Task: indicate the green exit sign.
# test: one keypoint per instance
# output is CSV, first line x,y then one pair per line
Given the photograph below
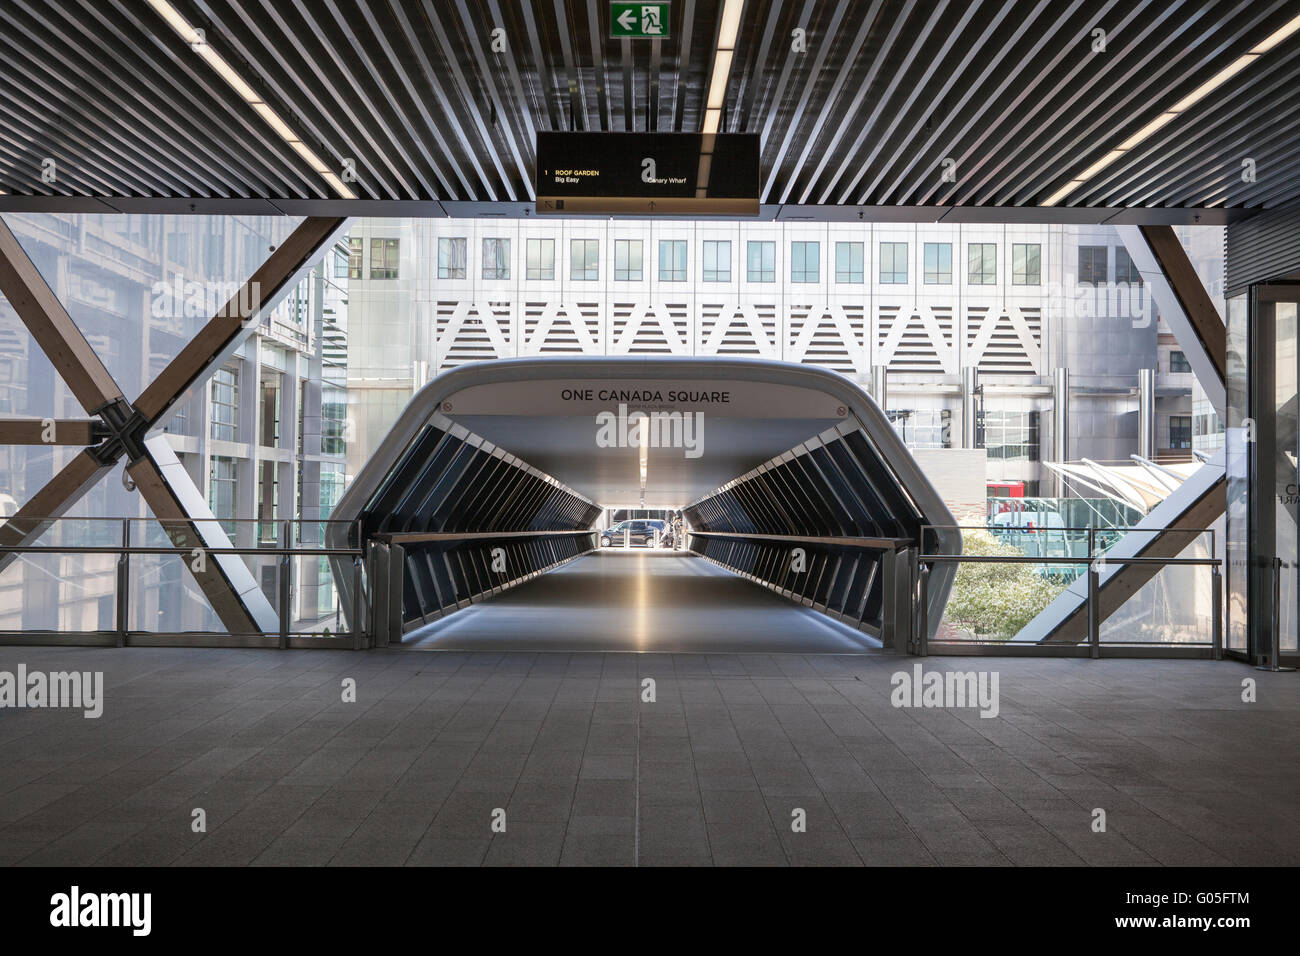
x,y
638,21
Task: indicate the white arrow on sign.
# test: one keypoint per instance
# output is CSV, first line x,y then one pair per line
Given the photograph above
x,y
628,20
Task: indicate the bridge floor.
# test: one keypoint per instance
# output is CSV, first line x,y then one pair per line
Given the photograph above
x,y
641,600
710,773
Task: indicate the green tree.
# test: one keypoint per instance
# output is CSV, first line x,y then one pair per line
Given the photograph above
x,y
995,600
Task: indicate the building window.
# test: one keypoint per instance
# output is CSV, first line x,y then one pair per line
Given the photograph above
x,y
225,405
1180,431
269,411
717,260
342,262
627,260
383,258
333,420
222,491
179,423
1092,264
1128,277
331,487
496,258
938,264
1125,270
848,262
584,260
356,251
541,259
672,260
1011,436
981,263
453,258
893,263
761,261
177,248
1178,362
805,262
923,427
1026,263
1206,425
268,502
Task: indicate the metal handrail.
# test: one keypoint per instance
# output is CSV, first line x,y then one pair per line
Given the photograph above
x,y
1125,529
1093,553
417,537
165,521
281,554
1040,559
1094,561
269,551
883,544
271,547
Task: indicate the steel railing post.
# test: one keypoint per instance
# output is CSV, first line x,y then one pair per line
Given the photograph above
x,y
889,600
124,585
1216,606
359,631
1094,612
923,608
286,594
1275,651
1094,586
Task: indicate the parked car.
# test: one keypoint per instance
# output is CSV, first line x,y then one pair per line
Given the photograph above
x,y
640,531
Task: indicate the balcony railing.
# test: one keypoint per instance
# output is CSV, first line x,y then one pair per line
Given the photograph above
x,y
124,581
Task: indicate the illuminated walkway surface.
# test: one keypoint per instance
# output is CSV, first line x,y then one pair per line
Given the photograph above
x,y
708,774
640,599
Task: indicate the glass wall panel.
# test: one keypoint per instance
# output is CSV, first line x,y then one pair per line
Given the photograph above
x,y
1238,477
1263,481
1279,316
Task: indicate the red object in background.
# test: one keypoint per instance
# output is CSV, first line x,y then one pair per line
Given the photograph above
x,y
1006,489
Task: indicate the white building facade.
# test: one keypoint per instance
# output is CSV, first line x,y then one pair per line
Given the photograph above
x,y
925,301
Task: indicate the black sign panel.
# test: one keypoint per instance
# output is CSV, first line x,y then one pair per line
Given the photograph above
x,y
642,174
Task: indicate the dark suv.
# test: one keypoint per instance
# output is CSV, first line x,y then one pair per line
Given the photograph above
x,y
640,531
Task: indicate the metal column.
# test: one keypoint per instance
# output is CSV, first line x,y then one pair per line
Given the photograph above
x,y
1061,423
898,591
880,385
969,431
1147,413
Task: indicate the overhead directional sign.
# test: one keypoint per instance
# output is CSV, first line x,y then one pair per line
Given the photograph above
x,y
648,174
638,21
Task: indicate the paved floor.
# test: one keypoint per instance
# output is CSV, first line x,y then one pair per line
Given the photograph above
x,y
713,772
641,600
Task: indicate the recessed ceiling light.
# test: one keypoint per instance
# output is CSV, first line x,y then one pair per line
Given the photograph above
x,y
1186,103
717,89
237,83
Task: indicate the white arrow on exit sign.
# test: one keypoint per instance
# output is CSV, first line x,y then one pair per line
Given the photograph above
x,y
628,20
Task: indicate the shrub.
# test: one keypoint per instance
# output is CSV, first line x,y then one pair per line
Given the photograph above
x,y
995,600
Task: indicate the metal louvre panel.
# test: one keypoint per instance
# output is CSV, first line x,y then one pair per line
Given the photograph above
x,y
726,329
858,102
471,332
443,483
1262,248
996,344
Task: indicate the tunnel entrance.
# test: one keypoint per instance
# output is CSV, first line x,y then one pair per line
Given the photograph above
x,y
644,601
501,477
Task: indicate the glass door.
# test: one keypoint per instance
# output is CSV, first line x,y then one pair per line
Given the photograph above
x,y
1274,468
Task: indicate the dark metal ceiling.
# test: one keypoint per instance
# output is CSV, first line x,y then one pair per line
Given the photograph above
x,y
436,122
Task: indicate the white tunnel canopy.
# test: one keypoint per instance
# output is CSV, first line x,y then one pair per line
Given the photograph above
x,y
743,445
